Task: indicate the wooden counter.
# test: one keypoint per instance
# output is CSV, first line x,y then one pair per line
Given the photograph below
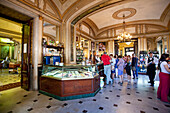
x,y
69,89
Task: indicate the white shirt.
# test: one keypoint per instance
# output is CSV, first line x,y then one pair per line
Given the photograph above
x,y
98,59
113,61
163,68
155,60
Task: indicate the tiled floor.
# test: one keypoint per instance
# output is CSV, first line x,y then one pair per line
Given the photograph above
x,y
7,78
137,97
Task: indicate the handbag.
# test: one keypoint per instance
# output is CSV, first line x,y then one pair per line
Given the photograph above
x,y
133,68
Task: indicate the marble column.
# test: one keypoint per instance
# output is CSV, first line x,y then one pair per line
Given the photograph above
x,y
37,50
145,44
139,45
57,33
89,49
113,43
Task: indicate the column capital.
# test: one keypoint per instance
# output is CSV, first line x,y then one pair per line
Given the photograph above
x,y
40,17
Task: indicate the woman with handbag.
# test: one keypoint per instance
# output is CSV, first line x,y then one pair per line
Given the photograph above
x,y
164,76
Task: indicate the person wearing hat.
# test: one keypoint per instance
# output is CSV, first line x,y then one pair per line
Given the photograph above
x,y
107,67
151,68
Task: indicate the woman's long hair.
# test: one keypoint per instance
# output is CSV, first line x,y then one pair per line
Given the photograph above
x,y
163,58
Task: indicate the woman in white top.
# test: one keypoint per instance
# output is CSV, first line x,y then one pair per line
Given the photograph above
x,y
164,77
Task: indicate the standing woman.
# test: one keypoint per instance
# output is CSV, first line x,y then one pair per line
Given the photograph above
x,y
116,67
120,69
164,76
112,61
128,68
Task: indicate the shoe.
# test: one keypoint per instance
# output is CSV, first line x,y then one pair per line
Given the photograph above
x,y
149,82
158,98
133,78
152,85
136,77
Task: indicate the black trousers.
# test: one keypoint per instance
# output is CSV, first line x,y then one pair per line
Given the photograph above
x,y
151,72
152,77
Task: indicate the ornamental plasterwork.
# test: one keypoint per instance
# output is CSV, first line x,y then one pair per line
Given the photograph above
x,y
62,1
129,12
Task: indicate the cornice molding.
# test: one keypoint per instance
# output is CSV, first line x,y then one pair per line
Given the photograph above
x,y
49,35
39,11
9,31
10,36
165,12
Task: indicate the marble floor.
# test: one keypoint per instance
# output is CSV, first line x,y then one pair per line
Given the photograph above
x,y
136,97
8,78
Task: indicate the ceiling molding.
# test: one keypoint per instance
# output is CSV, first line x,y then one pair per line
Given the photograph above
x,y
11,32
10,36
92,24
34,9
90,28
62,1
69,8
132,23
53,7
131,10
49,35
165,12
95,9
58,11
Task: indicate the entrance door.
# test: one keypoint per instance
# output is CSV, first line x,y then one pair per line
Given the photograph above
x,y
25,60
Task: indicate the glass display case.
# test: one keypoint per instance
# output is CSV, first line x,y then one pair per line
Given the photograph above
x,y
68,72
69,81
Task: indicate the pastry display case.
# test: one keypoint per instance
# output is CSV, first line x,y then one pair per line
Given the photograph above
x,y
69,81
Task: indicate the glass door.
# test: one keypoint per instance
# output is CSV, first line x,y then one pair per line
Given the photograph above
x,y
25,60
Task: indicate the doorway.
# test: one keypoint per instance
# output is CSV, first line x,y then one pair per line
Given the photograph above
x,y
15,49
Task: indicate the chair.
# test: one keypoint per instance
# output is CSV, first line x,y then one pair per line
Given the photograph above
x,y
1,66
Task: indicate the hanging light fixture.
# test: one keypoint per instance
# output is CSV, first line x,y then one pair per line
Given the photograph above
x,y
124,36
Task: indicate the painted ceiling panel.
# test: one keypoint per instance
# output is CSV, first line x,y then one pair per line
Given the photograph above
x,y
63,5
154,9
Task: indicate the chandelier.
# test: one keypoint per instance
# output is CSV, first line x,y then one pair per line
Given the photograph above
x,y
124,36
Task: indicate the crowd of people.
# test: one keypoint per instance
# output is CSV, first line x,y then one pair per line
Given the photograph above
x,y
116,66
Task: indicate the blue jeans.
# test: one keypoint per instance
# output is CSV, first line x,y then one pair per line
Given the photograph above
x,y
135,72
107,72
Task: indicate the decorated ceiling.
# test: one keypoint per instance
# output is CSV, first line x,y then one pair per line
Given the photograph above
x,y
103,15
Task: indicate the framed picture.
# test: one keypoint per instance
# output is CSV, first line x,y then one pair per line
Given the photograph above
x,y
102,46
85,44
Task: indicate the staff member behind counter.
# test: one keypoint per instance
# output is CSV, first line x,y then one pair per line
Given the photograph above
x,y
97,58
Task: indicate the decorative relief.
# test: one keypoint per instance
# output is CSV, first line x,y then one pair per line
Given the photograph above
x,y
32,2
102,35
128,12
41,4
129,30
154,29
49,9
62,1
